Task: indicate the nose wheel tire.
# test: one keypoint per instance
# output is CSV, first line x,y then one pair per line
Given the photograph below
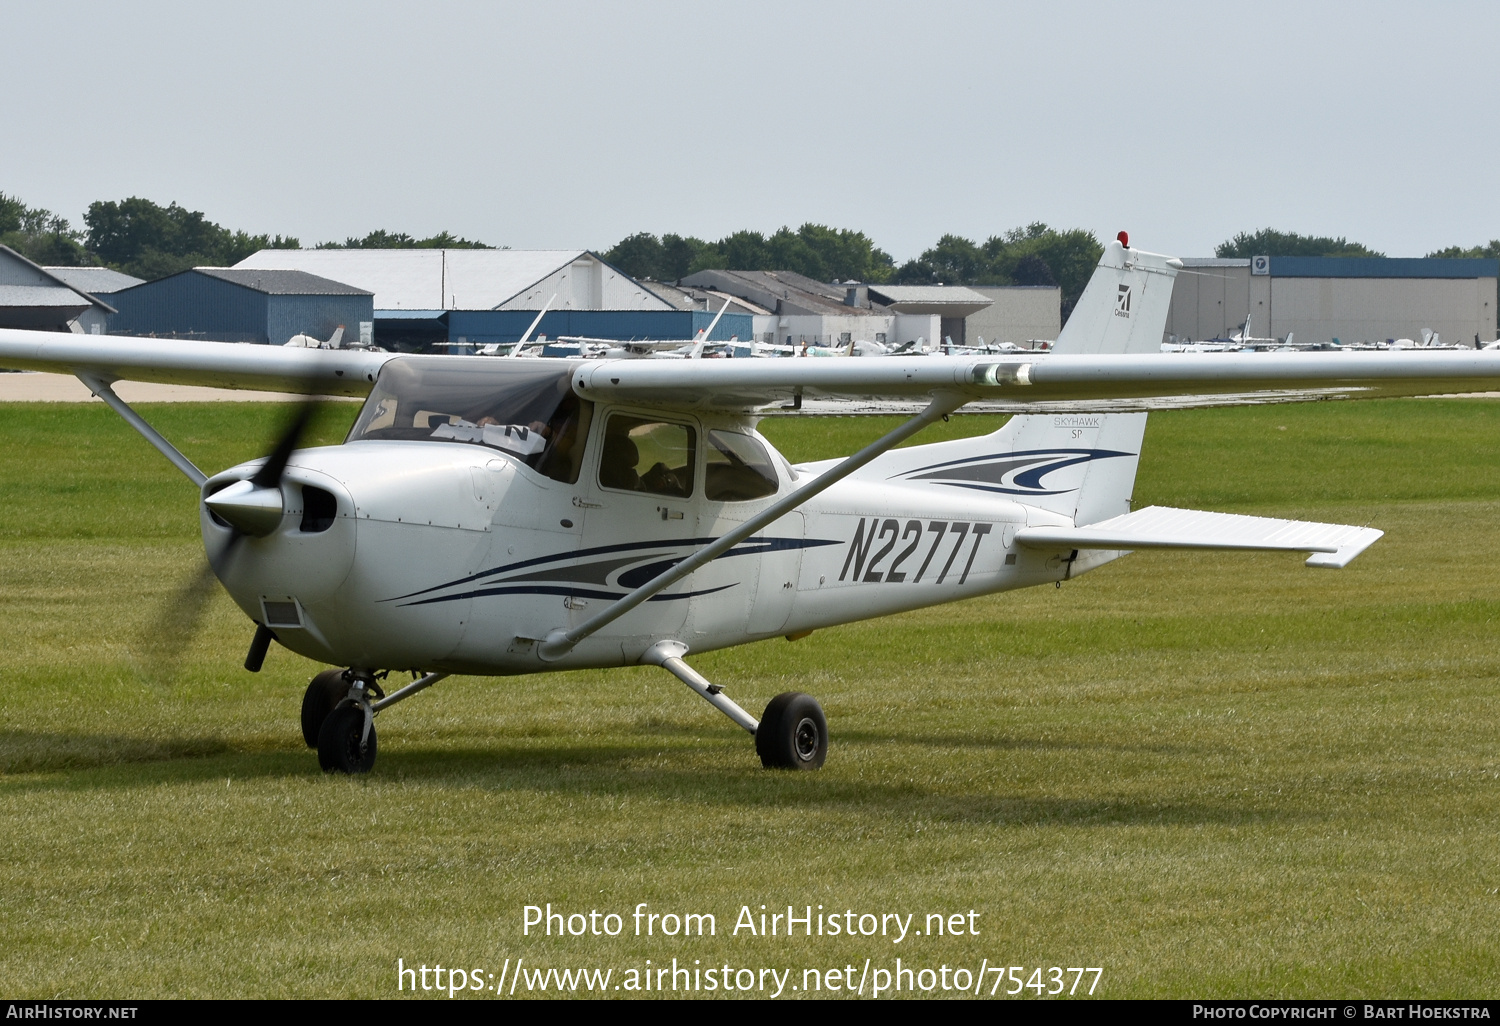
x,y
324,693
339,741
793,733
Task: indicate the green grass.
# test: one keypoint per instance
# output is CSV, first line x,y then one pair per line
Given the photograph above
x,y
1210,774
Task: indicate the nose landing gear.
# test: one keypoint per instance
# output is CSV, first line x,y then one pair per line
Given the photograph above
x,y
338,716
324,693
346,743
345,733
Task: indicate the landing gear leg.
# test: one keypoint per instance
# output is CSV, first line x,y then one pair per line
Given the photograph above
x,y
793,733
668,655
346,740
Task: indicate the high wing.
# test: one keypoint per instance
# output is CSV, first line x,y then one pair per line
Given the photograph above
x,y
1106,359
1041,381
111,358
1114,382
1104,382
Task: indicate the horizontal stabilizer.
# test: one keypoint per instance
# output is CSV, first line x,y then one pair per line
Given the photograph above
x,y
1162,527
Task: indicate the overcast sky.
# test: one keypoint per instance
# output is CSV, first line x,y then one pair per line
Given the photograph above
x,y
560,125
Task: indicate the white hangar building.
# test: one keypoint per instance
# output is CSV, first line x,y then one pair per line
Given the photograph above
x,y
99,282
433,296
470,279
1319,299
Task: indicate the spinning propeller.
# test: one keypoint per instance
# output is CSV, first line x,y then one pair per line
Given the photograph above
x,y
252,508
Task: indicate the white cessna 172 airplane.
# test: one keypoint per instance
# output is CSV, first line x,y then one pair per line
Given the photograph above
x,y
504,517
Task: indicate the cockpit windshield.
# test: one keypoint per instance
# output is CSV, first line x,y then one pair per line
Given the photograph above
x,y
523,408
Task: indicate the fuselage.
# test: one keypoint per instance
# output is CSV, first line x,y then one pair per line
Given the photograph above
x,y
450,554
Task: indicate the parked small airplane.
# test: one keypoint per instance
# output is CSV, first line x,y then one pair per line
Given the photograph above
x,y
504,516
305,341
584,346
334,341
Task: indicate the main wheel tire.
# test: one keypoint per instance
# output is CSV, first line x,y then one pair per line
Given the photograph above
x,y
793,733
324,693
339,749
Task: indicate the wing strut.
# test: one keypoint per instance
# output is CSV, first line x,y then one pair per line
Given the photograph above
x,y
545,306
559,642
101,388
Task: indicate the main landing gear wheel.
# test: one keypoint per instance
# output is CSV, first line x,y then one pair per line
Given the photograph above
x,y
324,693
343,745
793,733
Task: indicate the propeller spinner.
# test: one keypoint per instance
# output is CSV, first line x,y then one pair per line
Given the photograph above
x,y
254,507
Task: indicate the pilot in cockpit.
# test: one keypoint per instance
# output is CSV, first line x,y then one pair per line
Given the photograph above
x,y
522,440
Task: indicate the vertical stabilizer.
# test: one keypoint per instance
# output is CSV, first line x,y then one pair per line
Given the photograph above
x,y
1083,465
1124,308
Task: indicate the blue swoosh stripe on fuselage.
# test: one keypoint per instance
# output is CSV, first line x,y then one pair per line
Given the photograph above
x,y
1091,453
752,547
996,488
538,560
568,592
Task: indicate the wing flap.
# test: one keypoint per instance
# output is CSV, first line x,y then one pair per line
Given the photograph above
x,y
1163,527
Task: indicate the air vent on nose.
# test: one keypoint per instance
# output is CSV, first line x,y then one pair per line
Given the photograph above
x,y
281,612
319,509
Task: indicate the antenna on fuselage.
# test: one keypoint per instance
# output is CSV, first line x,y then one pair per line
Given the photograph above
x,y
516,351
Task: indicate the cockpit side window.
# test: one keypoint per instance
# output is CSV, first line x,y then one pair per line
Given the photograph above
x,y
737,468
642,455
568,430
527,412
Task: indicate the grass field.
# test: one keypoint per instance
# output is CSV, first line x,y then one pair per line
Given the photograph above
x,y
1209,775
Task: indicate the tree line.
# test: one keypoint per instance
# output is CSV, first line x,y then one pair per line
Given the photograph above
x,y
1270,242
148,240
1034,255
144,238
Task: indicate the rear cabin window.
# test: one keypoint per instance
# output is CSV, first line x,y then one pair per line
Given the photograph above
x,y
643,455
525,409
737,468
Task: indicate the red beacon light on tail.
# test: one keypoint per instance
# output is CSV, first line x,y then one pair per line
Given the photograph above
x,y
1124,238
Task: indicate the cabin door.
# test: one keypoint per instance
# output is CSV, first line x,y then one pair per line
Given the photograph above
x,y
641,516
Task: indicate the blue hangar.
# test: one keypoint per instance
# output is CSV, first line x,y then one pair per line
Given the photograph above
x,y
243,305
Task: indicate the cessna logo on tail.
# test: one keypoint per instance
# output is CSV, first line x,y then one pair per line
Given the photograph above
x,y
1122,302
